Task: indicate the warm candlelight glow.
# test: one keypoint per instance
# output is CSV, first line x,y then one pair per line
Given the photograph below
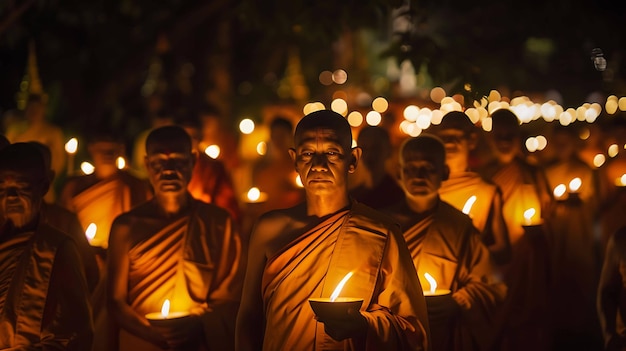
x,y
339,287
621,181
432,282
71,146
528,215
90,232
468,205
246,126
87,168
261,148
165,309
299,181
254,194
575,184
213,151
559,190
120,162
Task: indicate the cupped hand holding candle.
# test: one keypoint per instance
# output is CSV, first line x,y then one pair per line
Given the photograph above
x,y
180,328
340,315
439,302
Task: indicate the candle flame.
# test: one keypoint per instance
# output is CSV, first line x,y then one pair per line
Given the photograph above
x,y
165,309
254,194
213,151
120,162
299,181
90,232
621,181
339,287
71,146
468,204
575,184
431,281
559,190
87,168
261,148
529,213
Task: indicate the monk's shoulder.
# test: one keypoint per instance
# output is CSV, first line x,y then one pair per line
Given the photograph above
x,y
373,219
211,211
276,223
134,216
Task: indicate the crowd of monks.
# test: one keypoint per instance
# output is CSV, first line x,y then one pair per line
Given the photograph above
x,y
447,249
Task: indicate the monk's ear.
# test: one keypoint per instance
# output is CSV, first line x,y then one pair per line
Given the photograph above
x,y
292,154
354,161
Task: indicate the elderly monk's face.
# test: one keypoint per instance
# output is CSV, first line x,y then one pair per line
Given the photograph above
x,y
20,196
421,173
322,161
169,166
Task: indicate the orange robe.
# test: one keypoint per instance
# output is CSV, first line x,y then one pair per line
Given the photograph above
x,y
44,302
447,246
359,240
195,263
103,201
212,184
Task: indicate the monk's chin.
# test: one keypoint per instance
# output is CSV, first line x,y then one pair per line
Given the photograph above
x,y
170,188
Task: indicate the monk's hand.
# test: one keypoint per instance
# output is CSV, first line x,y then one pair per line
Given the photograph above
x,y
351,325
442,308
184,332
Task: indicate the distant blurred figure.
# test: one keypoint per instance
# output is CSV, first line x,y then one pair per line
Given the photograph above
x,y
382,190
467,191
101,196
209,180
37,128
275,173
215,133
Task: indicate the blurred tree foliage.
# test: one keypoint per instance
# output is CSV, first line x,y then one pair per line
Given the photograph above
x,y
97,54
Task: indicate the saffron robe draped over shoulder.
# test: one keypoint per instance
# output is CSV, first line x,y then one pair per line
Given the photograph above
x,y
447,246
365,242
460,187
195,263
44,302
103,201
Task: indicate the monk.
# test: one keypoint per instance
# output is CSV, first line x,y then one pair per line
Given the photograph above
x,y
444,243
611,306
44,303
304,251
174,248
382,189
209,180
101,196
459,136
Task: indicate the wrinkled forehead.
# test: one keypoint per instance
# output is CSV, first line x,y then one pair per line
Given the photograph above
x,y
316,135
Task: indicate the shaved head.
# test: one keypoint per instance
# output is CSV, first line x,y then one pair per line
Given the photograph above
x,y
325,119
424,144
168,135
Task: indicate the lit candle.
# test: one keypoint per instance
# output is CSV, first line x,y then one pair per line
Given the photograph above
x,y
120,162
621,181
254,195
162,317
468,205
90,233
335,306
574,185
433,287
559,191
528,215
71,147
213,151
87,168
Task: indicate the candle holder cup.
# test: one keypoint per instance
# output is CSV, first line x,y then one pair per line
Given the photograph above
x,y
326,309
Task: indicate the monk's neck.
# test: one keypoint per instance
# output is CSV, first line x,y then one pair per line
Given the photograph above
x,y
457,166
321,206
105,172
172,204
422,204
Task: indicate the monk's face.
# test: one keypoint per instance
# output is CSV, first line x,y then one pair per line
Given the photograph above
x,y
505,142
421,173
20,196
323,162
457,143
105,153
169,166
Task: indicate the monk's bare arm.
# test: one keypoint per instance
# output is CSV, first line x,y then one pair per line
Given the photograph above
x,y
501,248
250,319
117,283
